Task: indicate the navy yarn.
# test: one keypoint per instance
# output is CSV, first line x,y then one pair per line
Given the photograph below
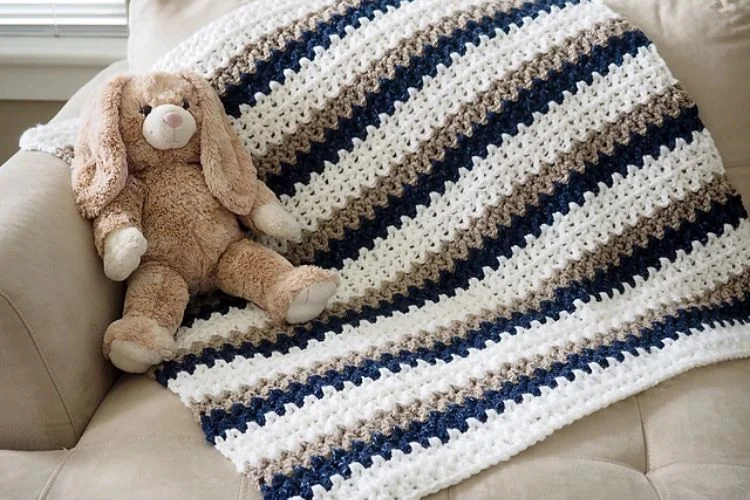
x,y
217,421
559,201
438,423
410,76
288,57
535,99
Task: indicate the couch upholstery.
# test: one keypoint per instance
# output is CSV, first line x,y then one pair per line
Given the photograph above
x,y
686,438
54,303
40,349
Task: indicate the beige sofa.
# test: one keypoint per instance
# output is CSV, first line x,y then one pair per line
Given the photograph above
x,y
71,427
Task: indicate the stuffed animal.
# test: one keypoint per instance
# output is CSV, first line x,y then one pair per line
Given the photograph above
x,y
169,187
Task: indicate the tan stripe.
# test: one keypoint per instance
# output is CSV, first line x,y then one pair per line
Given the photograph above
x,y
386,421
364,83
260,50
604,256
523,195
461,123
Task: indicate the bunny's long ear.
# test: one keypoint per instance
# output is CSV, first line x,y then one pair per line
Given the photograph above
x,y
227,166
99,164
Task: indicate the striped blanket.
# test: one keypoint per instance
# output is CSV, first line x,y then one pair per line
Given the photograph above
x,y
530,221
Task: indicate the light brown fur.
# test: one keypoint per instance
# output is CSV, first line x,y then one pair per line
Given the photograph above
x,y
190,204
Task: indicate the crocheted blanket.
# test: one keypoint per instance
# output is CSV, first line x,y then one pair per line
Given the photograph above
x,y
530,220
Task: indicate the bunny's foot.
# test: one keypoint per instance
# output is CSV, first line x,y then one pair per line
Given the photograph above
x,y
135,343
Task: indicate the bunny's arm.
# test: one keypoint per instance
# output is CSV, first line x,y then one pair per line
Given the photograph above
x,y
118,233
124,211
269,217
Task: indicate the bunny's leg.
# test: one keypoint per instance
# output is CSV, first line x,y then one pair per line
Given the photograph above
x,y
256,273
154,304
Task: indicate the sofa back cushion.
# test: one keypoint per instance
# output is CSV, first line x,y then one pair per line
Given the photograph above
x,y
156,26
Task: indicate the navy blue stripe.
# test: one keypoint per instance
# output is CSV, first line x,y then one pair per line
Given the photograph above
x,y
280,60
217,422
397,90
456,415
594,174
535,99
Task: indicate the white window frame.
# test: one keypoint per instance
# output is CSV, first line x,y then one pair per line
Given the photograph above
x,y
45,67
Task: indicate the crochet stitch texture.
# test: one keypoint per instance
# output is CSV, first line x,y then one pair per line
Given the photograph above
x,y
529,218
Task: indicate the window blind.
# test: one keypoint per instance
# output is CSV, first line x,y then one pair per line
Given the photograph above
x,y
64,18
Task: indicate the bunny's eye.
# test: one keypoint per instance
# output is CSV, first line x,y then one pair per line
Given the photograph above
x,y
145,110
185,104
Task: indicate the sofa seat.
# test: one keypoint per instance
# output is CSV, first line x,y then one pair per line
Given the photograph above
x,y
687,438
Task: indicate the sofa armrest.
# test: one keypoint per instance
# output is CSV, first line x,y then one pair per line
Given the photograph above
x,y
55,304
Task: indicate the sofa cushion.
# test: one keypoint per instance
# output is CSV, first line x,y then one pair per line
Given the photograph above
x,y
54,301
158,25
143,443
26,474
701,481
688,437
703,416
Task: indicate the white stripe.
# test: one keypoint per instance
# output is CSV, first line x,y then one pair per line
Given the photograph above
x,y
675,283
290,103
440,97
493,178
237,319
217,43
583,228
424,471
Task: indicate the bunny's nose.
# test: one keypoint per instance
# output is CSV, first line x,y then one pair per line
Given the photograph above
x,y
173,120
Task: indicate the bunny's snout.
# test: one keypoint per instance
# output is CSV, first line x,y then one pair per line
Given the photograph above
x,y
168,127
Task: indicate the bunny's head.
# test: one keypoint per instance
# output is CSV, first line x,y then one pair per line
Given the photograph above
x,y
138,122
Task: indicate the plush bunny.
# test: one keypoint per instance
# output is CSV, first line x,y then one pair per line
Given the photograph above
x,y
169,186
